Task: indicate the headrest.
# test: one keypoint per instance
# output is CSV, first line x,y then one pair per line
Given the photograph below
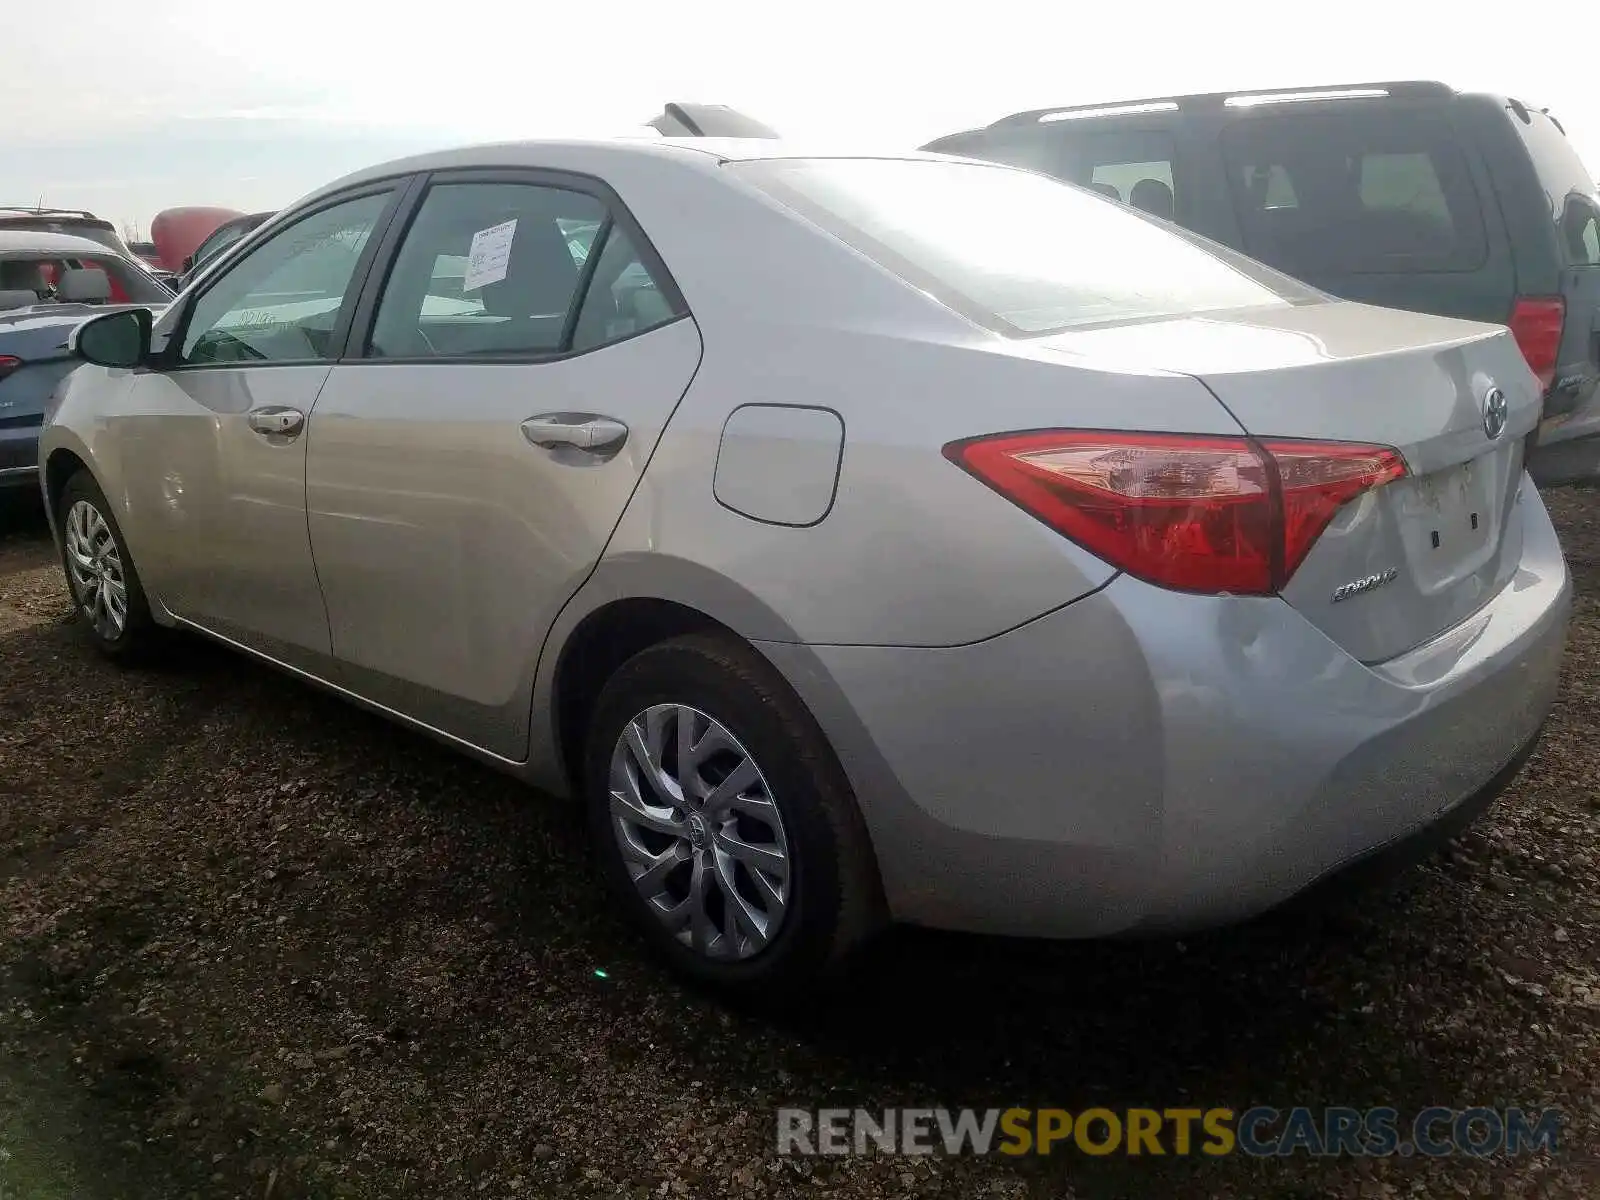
x,y
1154,197
83,285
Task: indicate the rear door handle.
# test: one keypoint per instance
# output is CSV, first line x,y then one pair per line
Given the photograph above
x,y
582,431
277,420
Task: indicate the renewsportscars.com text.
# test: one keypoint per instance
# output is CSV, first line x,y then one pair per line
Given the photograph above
x,y
1259,1131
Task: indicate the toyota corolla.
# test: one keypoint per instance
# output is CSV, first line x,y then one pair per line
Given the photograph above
x,y
862,539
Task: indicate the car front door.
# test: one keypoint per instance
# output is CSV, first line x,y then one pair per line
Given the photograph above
x,y
214,436
471,456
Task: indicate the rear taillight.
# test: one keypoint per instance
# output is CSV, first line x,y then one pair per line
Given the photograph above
x,y
1194,513
8,364
1536,323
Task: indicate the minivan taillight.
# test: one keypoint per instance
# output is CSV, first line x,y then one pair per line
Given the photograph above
x,y
1192,513
1536,323
8,364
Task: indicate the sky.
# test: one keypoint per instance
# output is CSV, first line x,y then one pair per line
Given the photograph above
x,y
126,109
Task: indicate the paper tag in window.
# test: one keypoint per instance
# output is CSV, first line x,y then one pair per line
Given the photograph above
x,y
491,251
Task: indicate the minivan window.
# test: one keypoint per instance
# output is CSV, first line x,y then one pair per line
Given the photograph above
x,y
1371,192
1580,232
1133,166
1589,240
1013,251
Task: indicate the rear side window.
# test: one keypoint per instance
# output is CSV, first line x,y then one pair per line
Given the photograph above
x,y
1014,251
1374,191
623,297
490,269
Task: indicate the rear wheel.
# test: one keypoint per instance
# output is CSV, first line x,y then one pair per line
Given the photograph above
x,y
100,572
722,821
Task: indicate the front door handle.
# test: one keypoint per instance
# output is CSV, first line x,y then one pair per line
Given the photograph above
x,y
581,431
277,420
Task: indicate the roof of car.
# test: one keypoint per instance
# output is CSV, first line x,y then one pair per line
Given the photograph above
x,y
594,153
1401,90
38,241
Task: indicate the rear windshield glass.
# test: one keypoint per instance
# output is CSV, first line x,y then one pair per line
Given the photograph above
x,y
1370,191
126,283
1016,252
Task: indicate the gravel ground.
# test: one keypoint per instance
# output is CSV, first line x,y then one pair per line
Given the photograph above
x,y
258,944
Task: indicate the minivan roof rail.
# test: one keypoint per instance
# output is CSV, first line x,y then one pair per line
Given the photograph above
x,y
1418,89
708,120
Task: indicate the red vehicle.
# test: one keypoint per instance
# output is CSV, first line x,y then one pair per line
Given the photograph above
x,y
178,232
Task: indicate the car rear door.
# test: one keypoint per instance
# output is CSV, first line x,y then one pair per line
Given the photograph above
x,y
506,381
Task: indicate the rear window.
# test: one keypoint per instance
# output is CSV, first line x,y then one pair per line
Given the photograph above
x,y
40,273
1374,191
1013,251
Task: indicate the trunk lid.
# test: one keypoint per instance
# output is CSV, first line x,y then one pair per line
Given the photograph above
x,y
1409,560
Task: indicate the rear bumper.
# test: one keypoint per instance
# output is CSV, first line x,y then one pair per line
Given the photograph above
x,y
19,457
1146,760
1568,449
1385,861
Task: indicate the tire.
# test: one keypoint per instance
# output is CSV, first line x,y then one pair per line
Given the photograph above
x,y
830,895
90,535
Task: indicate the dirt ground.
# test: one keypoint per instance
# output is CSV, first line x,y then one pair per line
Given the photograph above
x,y
254,943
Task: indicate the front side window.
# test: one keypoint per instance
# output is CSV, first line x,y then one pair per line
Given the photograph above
x,y
281,301
1374,191
1014,251
492,269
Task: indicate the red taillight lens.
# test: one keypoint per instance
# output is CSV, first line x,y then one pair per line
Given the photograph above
x,y
1536,323
1194,513
8,364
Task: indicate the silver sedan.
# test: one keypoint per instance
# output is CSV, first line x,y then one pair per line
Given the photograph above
x,y
862,539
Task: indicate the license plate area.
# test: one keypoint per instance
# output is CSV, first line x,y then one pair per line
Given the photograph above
x,y
1450,519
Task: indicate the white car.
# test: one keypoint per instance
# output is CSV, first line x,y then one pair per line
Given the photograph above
x,y
852,562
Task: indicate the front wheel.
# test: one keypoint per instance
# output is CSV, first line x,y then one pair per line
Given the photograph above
x,y
100,574
722,821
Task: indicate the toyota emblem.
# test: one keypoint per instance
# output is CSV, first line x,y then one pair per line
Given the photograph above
x,y
1496,410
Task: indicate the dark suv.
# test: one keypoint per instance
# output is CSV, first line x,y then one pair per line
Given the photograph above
x,y
1409,195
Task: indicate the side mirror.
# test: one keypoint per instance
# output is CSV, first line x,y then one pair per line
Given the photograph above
x,y
187,264
118,339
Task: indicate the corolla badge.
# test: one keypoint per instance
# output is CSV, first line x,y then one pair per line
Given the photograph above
x,y
1496,410
1357,586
